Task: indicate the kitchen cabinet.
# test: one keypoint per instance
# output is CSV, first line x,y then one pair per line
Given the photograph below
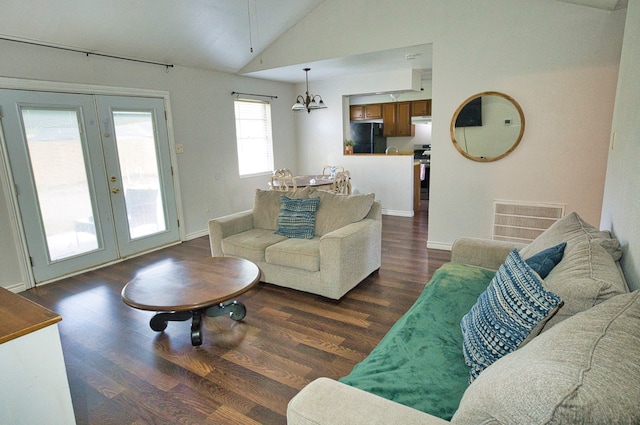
x,y
372,112
365,112
403,125
421,108
396,120
396,116
356,112
389,119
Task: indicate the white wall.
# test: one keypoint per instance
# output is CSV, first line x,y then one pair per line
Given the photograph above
x,y
558,60
13,272
621,206
203,121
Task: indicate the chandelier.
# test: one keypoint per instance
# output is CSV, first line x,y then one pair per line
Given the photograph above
x,y
308,102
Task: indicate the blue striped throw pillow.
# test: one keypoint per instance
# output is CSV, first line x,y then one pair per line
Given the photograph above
x,y
513,305
297,217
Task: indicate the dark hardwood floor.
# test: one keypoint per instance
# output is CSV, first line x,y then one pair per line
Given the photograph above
x,y
121,372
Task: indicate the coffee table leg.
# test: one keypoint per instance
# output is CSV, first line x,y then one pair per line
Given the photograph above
x,y
159,323
236,310
196,325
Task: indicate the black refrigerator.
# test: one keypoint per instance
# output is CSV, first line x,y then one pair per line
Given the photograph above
x,y
368,137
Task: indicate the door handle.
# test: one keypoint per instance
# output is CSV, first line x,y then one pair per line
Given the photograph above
x,y
115,190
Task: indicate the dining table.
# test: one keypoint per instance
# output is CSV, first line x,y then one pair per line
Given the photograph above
x,y
317,181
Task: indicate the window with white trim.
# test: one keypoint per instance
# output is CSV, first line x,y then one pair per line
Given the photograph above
x,y
253,137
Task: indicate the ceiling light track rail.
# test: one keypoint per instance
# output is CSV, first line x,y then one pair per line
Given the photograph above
x,y
238,94
104,55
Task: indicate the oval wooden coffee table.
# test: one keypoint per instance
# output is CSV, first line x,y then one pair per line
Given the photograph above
x,y
186,290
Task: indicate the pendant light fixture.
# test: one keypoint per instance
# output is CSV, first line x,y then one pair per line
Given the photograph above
x,y
308,102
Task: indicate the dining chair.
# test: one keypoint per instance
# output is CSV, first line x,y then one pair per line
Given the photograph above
x,y
283,183
326,171
282,172
342,183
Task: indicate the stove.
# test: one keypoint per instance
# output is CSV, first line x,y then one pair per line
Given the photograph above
x,y
422,153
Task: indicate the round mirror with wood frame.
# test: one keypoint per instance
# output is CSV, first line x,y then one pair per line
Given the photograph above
x,y
487,126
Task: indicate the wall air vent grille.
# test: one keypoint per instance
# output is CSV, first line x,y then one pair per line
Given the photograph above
x,y
523,222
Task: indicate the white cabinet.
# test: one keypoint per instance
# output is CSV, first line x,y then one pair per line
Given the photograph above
x,y
34,387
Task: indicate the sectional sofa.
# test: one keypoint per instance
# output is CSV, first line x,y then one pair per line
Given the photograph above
x,y
457,354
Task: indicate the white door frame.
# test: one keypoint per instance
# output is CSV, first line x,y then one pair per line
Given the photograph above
x,y
12,199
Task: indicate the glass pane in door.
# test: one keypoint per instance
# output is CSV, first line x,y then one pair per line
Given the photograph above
x,y
138,160
60,175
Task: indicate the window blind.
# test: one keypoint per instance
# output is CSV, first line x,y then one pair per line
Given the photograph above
x,y
253,136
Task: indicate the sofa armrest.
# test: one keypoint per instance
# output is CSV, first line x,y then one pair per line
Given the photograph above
x,y
221,227
350,253
485,253
325,401
375,213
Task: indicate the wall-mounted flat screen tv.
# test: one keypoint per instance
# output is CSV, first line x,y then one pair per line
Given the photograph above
x,y
471,114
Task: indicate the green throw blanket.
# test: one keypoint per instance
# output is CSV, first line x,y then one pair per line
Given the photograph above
x,y
419,363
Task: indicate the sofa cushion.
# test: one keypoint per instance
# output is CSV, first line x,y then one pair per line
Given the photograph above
x,y
584,370
586,276
337,210
266,206
297,217
544,261
514,304
297,253
572,229
250,244
419,362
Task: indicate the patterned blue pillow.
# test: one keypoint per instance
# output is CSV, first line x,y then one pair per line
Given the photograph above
x,y
513,305
297,217
544,261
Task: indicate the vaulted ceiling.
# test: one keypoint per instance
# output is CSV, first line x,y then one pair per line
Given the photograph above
x,y
208,34
601,4
220,35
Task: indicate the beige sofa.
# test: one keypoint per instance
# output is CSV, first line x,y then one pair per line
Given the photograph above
x,y
345,249
581,368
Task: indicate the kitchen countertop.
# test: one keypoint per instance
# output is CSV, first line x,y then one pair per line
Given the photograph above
x,y
21,316
383,154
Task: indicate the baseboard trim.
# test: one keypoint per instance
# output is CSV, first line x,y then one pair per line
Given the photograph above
x,y
398,213
196,235
439,245
17,288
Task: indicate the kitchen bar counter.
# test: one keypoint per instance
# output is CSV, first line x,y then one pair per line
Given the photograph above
x,y
34,389
21,316
382,154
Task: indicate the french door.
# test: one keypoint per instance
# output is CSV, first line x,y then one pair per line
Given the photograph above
x,y
93,177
